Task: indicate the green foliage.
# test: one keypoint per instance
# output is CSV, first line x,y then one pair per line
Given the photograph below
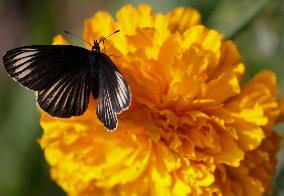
x,y
231,17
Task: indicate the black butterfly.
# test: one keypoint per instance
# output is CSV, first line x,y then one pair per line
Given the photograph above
x,y
64,76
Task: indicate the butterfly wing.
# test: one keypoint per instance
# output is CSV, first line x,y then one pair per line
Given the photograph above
x,y
69,96
59,73
114,93
105,111
39,66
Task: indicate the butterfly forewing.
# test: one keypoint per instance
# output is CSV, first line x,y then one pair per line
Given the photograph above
x,y
116,85
114,93
59,73
39,66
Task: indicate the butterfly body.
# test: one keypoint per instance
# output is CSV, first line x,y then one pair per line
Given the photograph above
x,y
95,59
64,76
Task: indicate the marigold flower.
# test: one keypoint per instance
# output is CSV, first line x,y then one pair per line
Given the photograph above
x,y
191,128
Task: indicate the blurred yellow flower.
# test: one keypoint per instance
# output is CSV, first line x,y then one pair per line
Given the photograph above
x,y
191,128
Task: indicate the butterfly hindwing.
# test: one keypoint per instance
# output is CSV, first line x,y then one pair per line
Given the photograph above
x,y
39,66
69,96
114,93
105,111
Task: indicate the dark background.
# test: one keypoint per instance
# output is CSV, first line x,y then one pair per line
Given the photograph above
x,y
256,26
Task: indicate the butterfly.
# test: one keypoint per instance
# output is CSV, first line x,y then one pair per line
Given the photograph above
x,y
64,77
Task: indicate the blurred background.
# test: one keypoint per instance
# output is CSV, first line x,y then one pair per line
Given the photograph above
x,y
256,26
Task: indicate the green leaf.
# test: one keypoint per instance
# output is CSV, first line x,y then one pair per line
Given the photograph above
x,y
205,7
230,17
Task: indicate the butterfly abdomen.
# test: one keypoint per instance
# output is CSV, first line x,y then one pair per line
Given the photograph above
x,y
95,85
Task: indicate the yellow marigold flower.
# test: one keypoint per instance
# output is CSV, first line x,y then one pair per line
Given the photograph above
x,y
191,128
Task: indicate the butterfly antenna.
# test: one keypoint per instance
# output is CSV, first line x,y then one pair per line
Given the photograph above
x,y
102,39
67,32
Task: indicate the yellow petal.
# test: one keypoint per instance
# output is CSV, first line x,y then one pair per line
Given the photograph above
x,y
222,88
100,25
231,153
208,39
183,18
123,16
59,40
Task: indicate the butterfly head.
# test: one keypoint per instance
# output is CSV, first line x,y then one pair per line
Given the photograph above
x,y
96,47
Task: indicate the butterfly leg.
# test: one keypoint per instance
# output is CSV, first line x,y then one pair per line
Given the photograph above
x,y
103,41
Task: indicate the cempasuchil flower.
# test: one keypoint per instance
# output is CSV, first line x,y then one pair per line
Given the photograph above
x,y
191,128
